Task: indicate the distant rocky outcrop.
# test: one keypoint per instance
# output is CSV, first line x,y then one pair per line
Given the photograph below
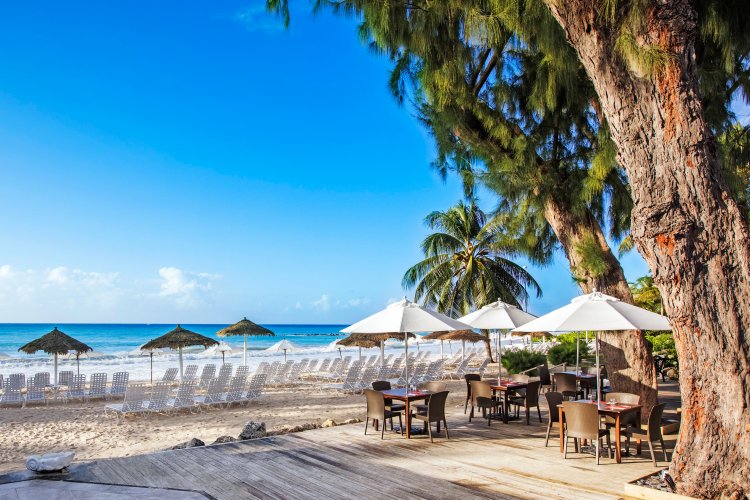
x,y
224,439
253,430
189,444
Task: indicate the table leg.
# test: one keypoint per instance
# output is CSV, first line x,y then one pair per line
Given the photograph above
x,y
507,406
638,440
618,458
407,420
562,433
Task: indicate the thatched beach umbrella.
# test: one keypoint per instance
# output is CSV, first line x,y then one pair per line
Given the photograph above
x,y
360,341
177,339
380,338
56,343
245,327
463,335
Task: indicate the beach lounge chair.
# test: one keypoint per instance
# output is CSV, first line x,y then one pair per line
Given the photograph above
x,y
225,373
312,367
42,379
63,377
185,397
17,381
367,377
263,367
170,375
214,393
207,375
98,386
135,395
256,385
236,392
76,388
119,384
158,399
190,372
242,371
11,395
478,369
35,393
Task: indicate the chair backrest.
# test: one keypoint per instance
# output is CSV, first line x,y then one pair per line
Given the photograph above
x,y
520,377
257,382
225,372
381,385
263,367
623,397
565,382
544,376
34,391
324,365
159,398
435,386
63,378
242,371
134,396
98,385
17,380
312,366
170,375
375,404
77,383
190,372
480,389
436,406
120,382
654,421
41,379
553,400
581,419
208,373
469,377
532,393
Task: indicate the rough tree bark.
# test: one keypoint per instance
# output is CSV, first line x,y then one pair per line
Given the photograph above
x,y
688,228
630,365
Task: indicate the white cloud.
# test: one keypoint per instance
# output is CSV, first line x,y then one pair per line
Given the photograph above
x,y
257,19
186,287
6,271
323,303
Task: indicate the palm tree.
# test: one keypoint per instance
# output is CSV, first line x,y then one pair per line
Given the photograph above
x,y
464,268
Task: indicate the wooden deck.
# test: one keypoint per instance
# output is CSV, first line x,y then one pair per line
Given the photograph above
x,y
501,461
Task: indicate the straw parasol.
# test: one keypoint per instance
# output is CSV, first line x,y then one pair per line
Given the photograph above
x,y
463,335
56,343
177,339
245,327
360,341
380,338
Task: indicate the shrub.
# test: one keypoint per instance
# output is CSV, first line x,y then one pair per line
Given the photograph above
x,y
566,353
519,360
663,344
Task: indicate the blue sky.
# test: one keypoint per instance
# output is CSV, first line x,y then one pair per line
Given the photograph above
x,y
166,163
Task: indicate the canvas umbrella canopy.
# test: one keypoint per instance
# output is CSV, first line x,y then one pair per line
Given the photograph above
x,y
497,316
221,348
55,343
597,312
282,345
177,339
245,327
405,317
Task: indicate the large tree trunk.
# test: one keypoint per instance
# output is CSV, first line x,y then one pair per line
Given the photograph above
x,y
687,227
630,365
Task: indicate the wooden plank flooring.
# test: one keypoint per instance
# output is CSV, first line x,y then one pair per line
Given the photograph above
x,y
501,461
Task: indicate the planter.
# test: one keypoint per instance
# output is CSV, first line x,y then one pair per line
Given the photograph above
x,y
632,489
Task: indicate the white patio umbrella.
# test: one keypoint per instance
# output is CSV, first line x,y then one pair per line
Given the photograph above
x,y
497,316
139,351
405,317
282,345
221,348
596,312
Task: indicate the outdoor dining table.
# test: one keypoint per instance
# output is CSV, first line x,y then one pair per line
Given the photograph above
x,y
616,411
589,378
506,386
407,398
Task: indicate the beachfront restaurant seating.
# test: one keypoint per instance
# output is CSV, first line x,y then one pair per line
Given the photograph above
x,y
554,399
377,412
435,412
582,422
651,434
481,397
527,400
567,385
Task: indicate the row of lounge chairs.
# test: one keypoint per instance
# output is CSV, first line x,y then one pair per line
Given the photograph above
x,y
17,390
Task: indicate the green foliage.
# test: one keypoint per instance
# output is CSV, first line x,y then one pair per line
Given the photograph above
x,y
645,294
569,338
519,360
565,352
593,262
464,266
663,344
734,146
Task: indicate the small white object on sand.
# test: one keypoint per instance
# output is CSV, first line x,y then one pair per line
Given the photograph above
x,y
50,461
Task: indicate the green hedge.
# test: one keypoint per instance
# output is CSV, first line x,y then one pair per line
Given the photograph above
x,y
519,360
566,353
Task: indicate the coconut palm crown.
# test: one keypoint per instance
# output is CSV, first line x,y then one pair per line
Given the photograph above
x,y
465,267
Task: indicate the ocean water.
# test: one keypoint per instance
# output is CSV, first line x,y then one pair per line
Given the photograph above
x,y
114,344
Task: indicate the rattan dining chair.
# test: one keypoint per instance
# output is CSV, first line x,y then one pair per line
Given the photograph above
x,y
622,397
528,400
566,384
481,397
469,377
582,422
651,434
384,385
377,412
434,386
435,413
554,399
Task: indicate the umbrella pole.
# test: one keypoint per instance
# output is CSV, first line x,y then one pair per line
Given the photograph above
x,y
360,353
382,353
284,355
78,363
180,348
578,343
406,365
442,356
598,373
222,357
463,350
244,349
499,354
151,355
55,370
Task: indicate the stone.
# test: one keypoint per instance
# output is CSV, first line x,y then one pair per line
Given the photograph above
x,y
329,423
351,421
224,439
253,430
50,462
189,444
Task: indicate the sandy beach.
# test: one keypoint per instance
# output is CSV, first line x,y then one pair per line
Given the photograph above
x,y
83,427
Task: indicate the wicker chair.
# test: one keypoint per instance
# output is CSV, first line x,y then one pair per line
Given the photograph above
x,y
651,434
376,411
528,400
582,422
469,377
566,385
435,413
481,397
553,400
384,385
544,377
627,398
